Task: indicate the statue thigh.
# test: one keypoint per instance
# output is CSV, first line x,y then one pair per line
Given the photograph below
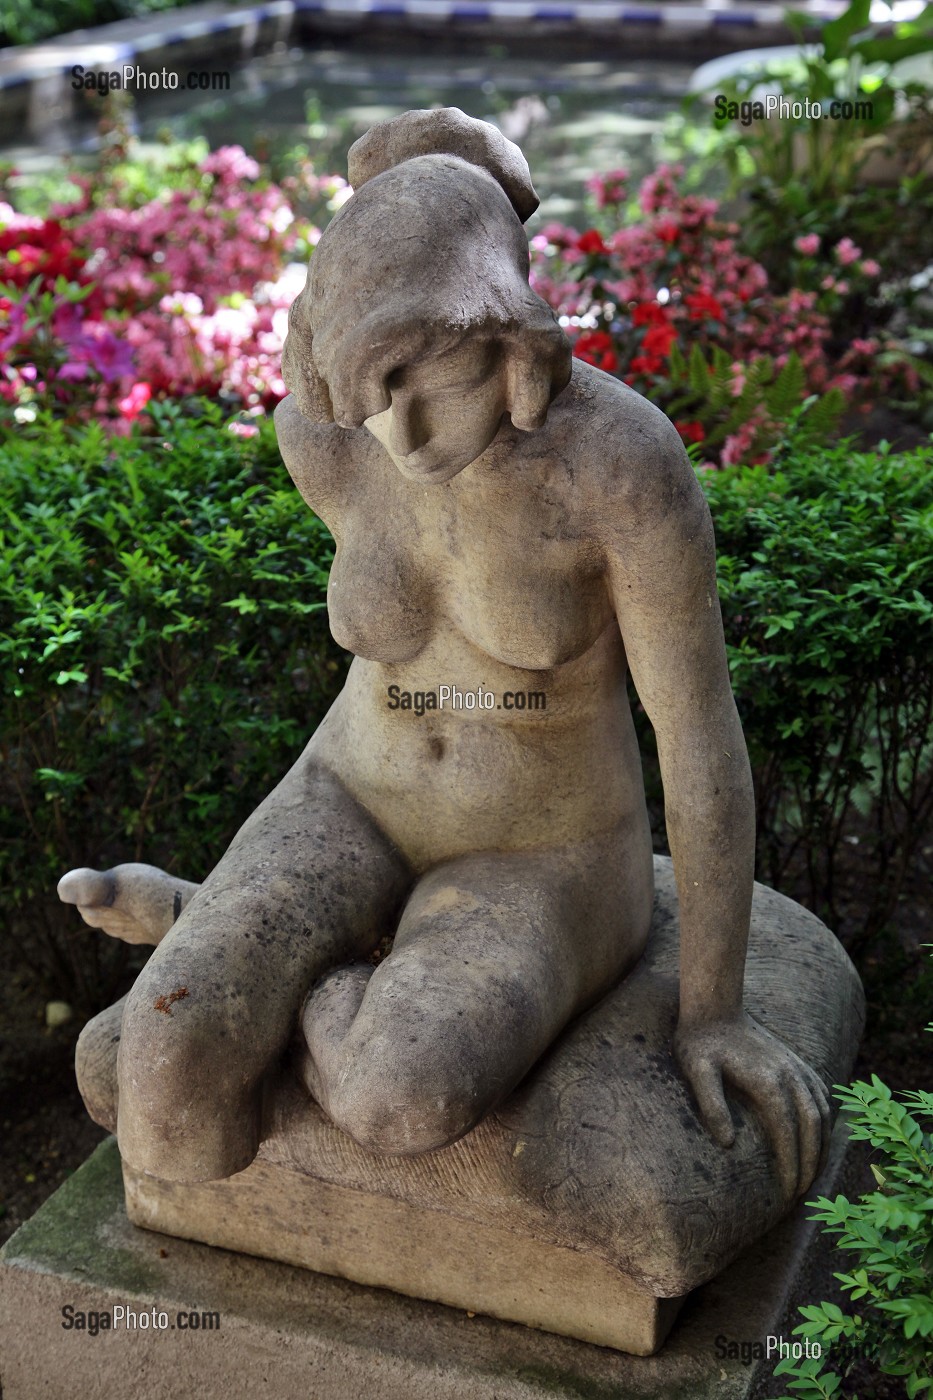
x,y
494,953
308,882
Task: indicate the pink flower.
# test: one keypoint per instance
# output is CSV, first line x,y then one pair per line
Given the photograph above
x,y
231,163
135,401
869,268
808,244
608,188
847,252
243,430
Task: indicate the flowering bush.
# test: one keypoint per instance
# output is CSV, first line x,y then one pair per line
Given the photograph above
x,y
634,294
180,285
106,303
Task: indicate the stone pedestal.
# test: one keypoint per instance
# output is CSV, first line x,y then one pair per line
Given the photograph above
x,y
267,1329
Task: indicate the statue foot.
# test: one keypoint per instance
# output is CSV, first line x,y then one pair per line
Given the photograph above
x,y
135,902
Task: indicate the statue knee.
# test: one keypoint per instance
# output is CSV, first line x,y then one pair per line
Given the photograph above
x,y
186,1111
399,1110
96,1065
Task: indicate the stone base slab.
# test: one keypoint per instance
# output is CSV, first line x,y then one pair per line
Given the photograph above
x,y
277,1213
296,1335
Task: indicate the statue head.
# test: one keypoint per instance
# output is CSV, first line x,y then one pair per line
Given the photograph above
x,y
417,319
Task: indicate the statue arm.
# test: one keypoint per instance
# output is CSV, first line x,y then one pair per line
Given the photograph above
x,y
662,574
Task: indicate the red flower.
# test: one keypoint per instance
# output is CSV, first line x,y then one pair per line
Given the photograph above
x,y
667,230
646,364
659,339
591,242
649,313
41,248
135,401
703,306
692,431
596,348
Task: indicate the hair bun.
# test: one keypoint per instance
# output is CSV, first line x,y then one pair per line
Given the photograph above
x,y
450,132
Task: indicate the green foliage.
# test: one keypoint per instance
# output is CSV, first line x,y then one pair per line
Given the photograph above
x,y
793,177
826,578
890,1234
166,654
29,22
853,62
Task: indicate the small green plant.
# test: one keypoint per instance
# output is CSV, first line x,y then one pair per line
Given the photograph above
x,y
889,1232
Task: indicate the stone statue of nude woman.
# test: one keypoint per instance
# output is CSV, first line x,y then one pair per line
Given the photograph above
x,y
510,519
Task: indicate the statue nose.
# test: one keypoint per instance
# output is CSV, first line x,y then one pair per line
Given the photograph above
x,y
408,428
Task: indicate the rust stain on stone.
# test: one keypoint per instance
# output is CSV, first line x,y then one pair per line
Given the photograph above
x,y
165,1003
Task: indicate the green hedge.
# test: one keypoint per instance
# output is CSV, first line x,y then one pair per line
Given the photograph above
x,y
165,657
826,576
825,566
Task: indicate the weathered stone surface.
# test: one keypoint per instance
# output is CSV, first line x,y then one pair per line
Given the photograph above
x,y
292,1334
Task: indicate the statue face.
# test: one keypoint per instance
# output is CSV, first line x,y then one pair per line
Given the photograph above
x,y
446,409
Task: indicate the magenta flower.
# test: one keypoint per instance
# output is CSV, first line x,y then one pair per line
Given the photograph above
x,y
111,357
16,321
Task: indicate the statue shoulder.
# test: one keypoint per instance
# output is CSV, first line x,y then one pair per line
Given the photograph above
x,y
637,471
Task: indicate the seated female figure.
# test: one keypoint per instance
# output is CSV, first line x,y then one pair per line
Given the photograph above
x,y
508,522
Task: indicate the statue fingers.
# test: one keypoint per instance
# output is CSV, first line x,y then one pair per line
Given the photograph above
x,y
706,1082
778,1109
825,1109
810,1127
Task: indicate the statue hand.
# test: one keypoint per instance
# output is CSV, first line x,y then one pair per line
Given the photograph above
x,y
134,902
788,1096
